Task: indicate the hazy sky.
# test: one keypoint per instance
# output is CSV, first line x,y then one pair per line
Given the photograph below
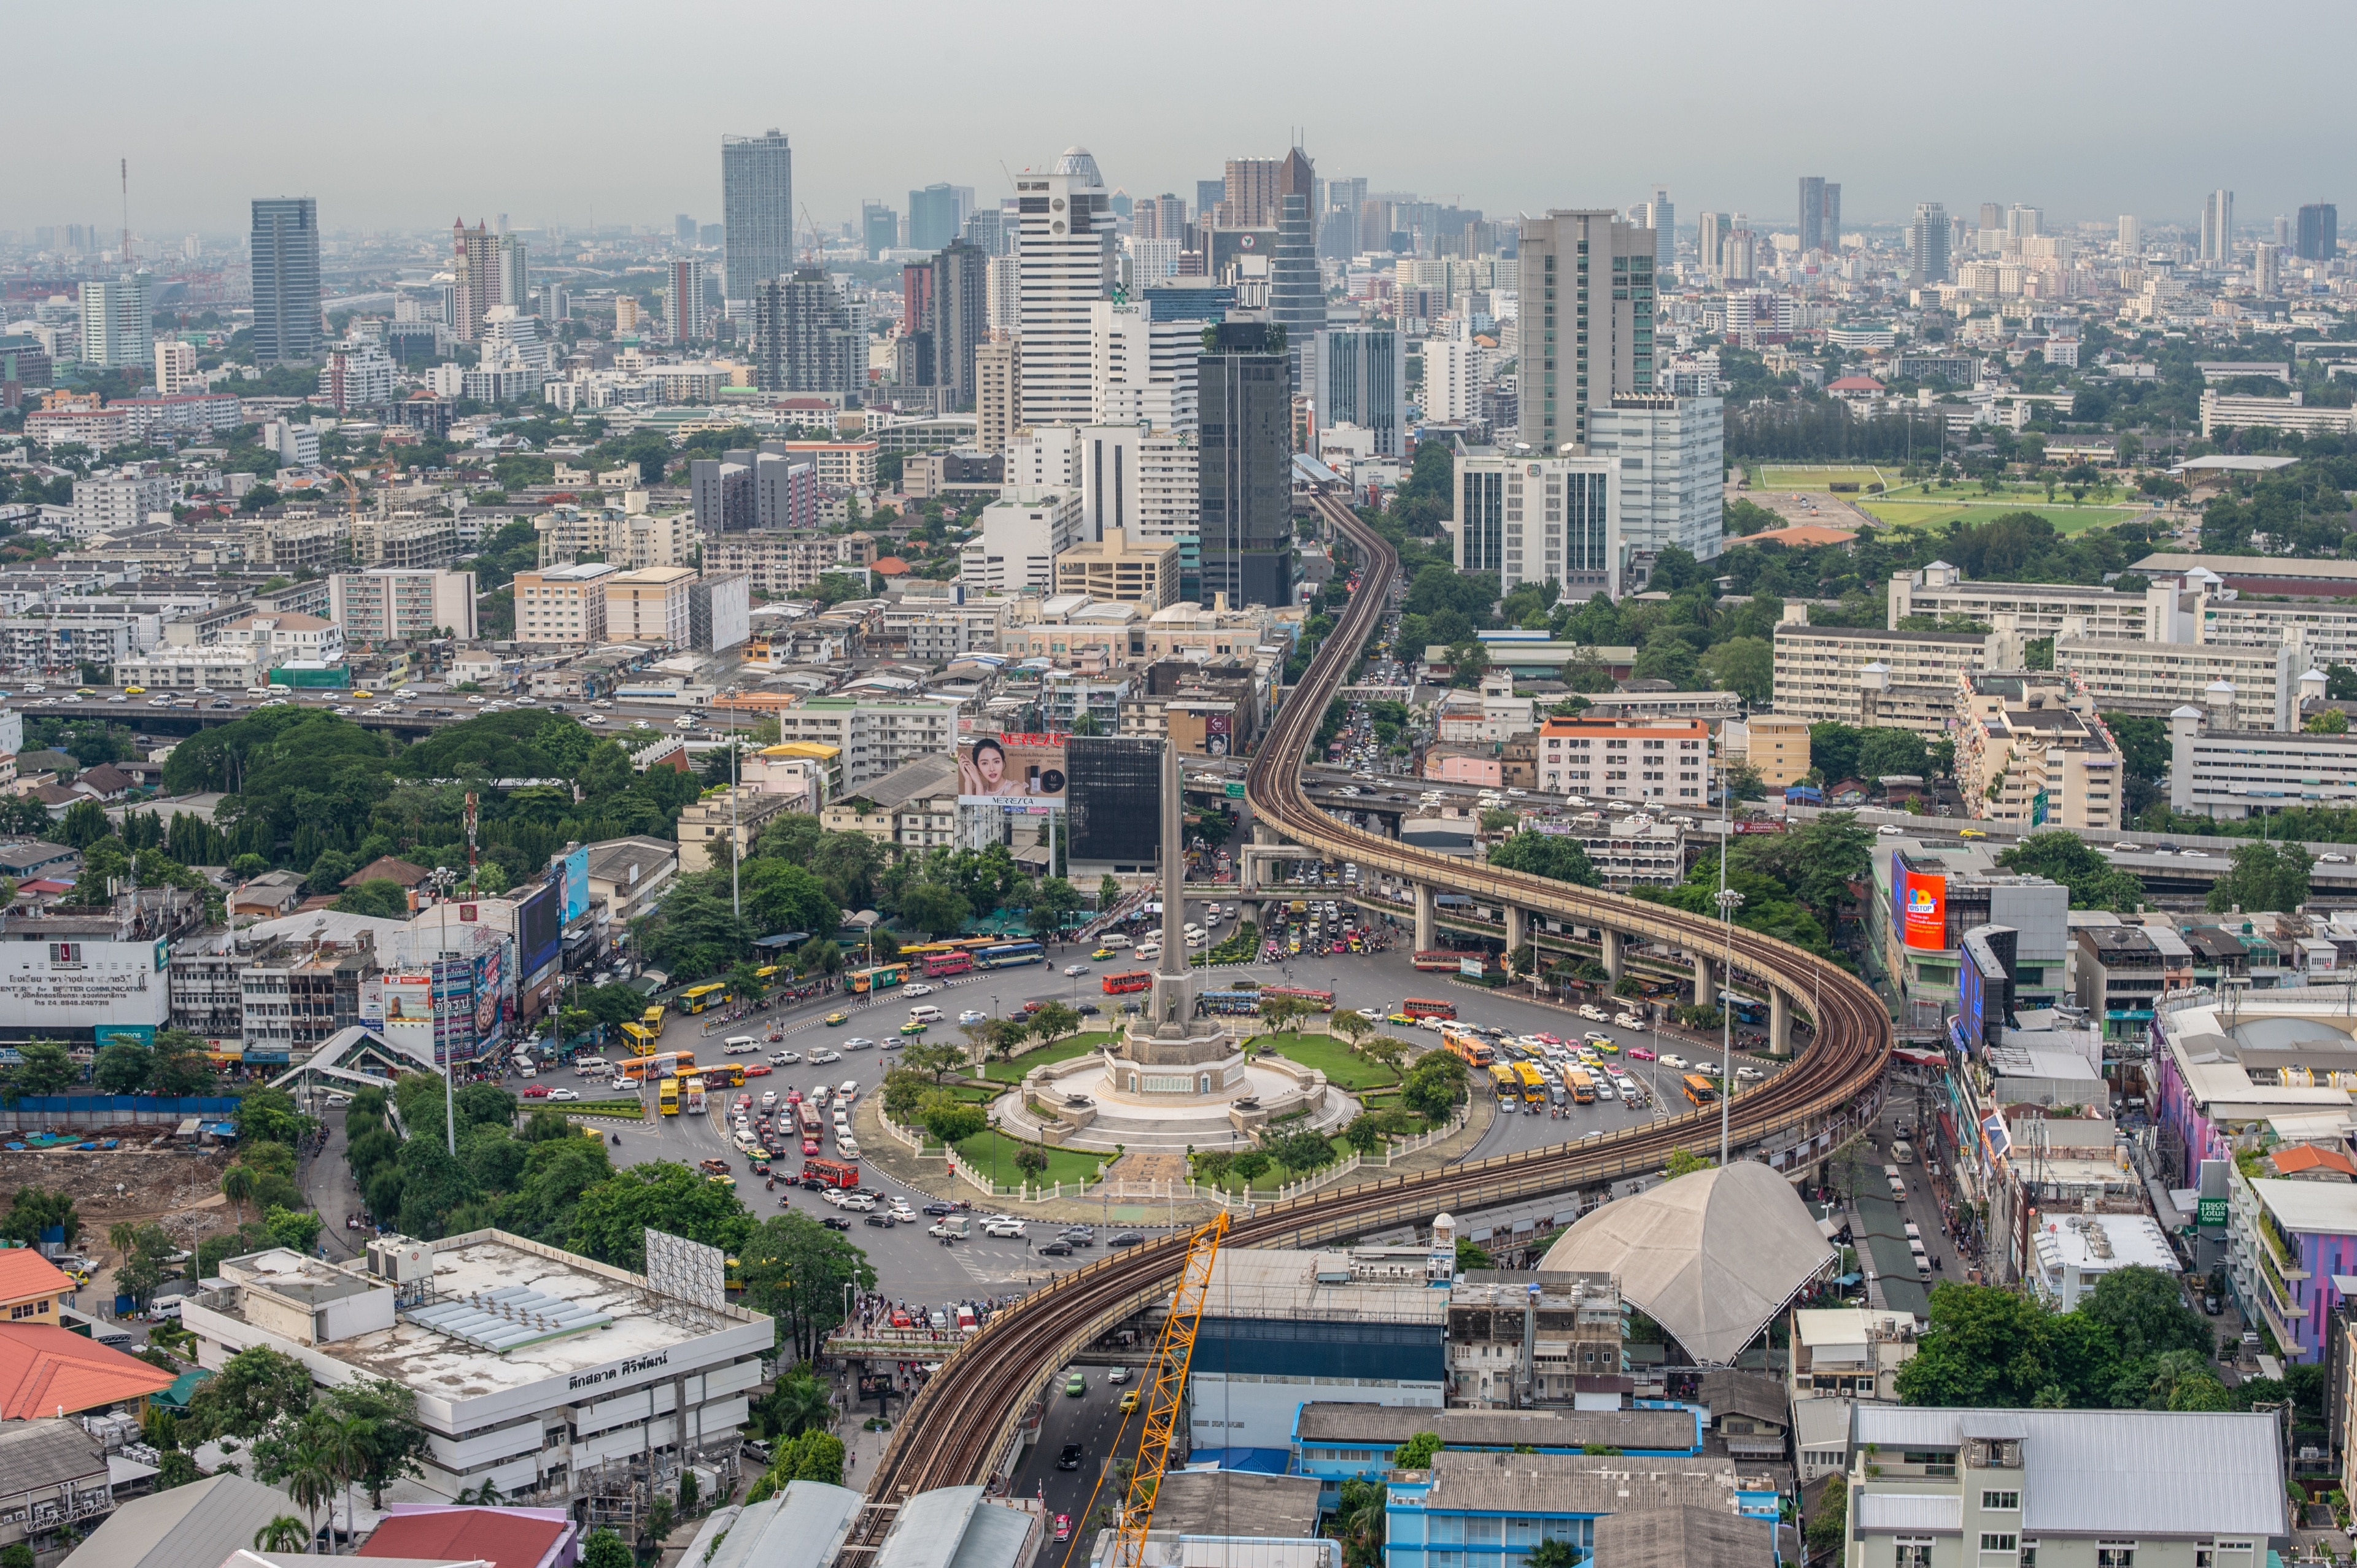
x,y
407,115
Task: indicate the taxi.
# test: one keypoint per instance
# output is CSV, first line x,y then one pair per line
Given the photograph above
x,y
838,1018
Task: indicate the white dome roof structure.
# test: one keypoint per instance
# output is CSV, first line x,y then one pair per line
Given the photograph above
x,y
1711,1257
1078,161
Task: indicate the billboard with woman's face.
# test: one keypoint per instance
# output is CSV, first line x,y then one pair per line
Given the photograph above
x,y
1012,772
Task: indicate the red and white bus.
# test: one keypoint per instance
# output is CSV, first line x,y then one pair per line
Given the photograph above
x,y
938,964
1128,981
833,1173
1448,959
1427,1007
1321,1000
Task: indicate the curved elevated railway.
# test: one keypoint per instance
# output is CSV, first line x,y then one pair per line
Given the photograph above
x,y
967,1414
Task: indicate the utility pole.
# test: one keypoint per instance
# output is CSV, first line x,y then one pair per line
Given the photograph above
x,y
736,850
1728,902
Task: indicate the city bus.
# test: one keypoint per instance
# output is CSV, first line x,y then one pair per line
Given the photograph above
x,y
1428,1008
806,1117
1444,960
696,998
1321,1000
1535,1083
883,977
1468,1048
1131,979
652,1019
667,1092
1505,1084
1229,1003
1700,1090
938,964
830,1173
1582,1086
664,1063
1007,955
723,1075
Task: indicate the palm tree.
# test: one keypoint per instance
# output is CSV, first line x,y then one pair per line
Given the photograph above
x,y
284,1533
347,1441
800,1405
311,1477
237,1185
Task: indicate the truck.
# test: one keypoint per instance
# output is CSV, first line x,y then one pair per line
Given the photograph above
x,y
695,1088
951,1227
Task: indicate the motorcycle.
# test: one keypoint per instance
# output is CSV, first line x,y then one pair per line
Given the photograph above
x,y
618,1140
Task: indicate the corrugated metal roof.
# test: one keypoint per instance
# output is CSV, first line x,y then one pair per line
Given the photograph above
x,y
1926,1512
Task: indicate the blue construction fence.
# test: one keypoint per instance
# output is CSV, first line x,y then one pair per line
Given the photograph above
x,y
81,1112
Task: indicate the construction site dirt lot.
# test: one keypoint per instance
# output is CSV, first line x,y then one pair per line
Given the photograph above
x,y
109,1185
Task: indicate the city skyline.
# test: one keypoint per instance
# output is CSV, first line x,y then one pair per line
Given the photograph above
x,y
523,133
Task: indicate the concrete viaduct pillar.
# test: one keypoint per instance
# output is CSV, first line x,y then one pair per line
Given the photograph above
x,y
1611,955
1518,928
1704,992
1779,1023
1428,923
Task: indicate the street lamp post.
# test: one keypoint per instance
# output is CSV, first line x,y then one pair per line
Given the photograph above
x,y
1728,901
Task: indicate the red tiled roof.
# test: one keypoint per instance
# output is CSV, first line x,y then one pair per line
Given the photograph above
x,y
45,1369
25,1273
386,868
504,1537
891,566
2308,1157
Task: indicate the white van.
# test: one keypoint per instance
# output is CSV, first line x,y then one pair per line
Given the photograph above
x,y
166,1305
847,1092
1192,930
924,1013
1903,1153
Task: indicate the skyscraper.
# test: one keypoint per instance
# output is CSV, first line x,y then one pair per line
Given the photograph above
x,y
934,216
2267,268
117,323
683,301
757,210
1927,243
683,227
1067,255
1361,382
2131,236
1710,244
2318,235
1812,214
515,273
1586,309
1661,218
879,229
1243,463
960,318
1209,193
803,336
1248,194
2217,225
285,247
1297,292
475,277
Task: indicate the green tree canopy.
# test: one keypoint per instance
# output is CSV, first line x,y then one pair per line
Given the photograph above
x,y
2065,857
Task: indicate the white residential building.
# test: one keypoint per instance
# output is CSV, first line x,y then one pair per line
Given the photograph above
x,y
562,605
286,636
1860,675
1541,520
2231,773
1452,390
875,736
1141,370
109,503
389,602
176,369
1067,246
2257,686
652,605
1021,534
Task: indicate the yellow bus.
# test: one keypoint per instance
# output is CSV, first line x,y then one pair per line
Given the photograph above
x,y
730,1075
1535,1083
669,1092
1582,1086
652,1019
639,1036
663,1062
1699,1089
1505,1082
696,998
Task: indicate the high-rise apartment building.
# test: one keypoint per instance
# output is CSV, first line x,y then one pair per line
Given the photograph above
x,y
1818,198
285,265
117,322
1244,459
1209,194
1927,244
1710,244
935,215
1067,251
1160,217
997,393
515,273
1248,193
2217,225
960,318
1661,216
475,277
804,339
879,229
1452,394
757,210
1362,381
683,301
2267,268
176,369
2318,238
1587,321
2131,236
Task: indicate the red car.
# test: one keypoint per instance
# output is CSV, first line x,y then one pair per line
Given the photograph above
x,y
535,1091
900,1318
809,1146
1640,1052
1063,1527
758,1069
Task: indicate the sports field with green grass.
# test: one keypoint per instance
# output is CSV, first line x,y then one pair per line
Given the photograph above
x,y
1807,477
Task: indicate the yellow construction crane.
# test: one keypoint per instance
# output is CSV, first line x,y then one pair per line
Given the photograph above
x,y
1165,1386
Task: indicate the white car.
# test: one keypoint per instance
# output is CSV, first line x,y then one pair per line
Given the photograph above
x,y
974,1016
563,1094
769,1099
1371,1015
1076,969
1604,1090
822,1058
1003,1228
1892,829
1628,1021
1750,1074
784,1059
2333,857
1592,1013
916,990
1670,1060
